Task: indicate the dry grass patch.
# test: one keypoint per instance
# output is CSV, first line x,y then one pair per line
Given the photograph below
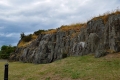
x,y
75,27
34,36
106,15
71,68
23,43
51,31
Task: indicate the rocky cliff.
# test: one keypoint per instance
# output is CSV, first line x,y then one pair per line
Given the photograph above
x,y
96,37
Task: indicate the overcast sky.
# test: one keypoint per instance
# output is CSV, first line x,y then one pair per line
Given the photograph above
x,y
17,16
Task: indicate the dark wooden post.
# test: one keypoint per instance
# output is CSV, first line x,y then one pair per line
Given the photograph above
x,y
6,72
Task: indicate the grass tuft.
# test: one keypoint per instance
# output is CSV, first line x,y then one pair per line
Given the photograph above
x,y
106,15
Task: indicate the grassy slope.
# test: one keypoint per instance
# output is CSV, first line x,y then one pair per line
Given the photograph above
x,y
71,68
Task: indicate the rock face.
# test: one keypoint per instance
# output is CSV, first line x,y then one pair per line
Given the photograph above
x,y
96,38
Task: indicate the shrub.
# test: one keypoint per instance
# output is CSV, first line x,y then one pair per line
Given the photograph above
x,y
4,56
22,35
39,32
27,38
6,50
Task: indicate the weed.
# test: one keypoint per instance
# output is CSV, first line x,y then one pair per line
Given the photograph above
x,y
75,75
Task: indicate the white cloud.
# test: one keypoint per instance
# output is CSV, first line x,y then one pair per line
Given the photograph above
x,y
10,35
4,3
27,16
45,10
13,35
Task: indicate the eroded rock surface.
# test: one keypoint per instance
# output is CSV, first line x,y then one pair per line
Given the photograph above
x,y
96,38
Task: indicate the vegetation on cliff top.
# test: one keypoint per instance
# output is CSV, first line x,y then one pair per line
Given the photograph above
x,y
76,27
106,15
26,39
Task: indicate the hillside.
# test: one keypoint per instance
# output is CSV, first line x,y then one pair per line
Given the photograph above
x,y
99,36
71,68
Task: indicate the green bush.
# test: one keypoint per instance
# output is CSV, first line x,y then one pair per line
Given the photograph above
x,y
39,32
27,38
4,56
5,51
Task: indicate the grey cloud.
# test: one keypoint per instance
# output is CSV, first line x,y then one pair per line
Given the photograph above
x,y
17,16
7,40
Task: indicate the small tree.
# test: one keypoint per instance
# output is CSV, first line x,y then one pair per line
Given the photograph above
x,y
22,35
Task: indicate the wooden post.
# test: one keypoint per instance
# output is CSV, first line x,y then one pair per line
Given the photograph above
x,y
6,72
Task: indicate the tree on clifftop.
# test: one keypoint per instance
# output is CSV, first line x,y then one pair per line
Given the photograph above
x,y
22,35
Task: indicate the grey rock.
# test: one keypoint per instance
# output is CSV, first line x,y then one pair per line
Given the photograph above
x,y
97,38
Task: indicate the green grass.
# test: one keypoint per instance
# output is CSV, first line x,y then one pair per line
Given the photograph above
x,y
71,68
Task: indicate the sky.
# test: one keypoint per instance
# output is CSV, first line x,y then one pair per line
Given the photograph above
x,y
17,16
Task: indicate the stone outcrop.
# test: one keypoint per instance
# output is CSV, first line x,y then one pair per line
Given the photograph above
x,y
96,38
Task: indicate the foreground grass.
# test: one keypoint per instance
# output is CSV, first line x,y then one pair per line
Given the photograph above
x,y
71,68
